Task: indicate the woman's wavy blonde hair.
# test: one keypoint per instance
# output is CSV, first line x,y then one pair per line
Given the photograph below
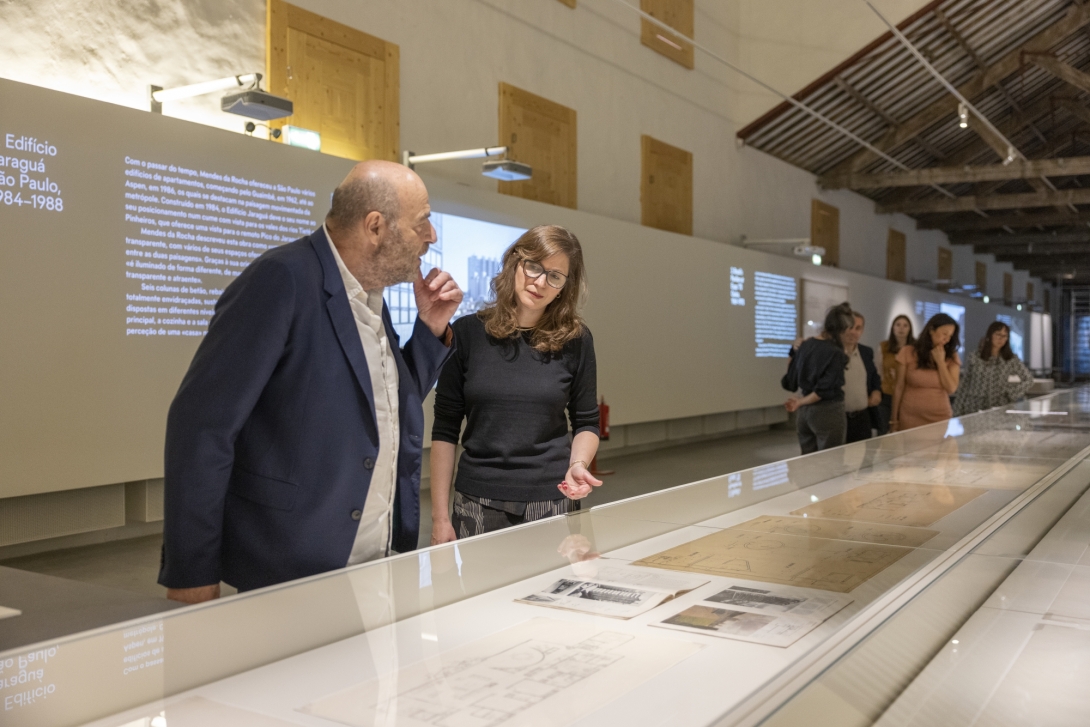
x,y
561,321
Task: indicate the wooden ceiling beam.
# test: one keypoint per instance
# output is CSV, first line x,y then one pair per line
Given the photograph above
x,y
1018,169
984,203
1077,235
998,222
1077,17
1063,71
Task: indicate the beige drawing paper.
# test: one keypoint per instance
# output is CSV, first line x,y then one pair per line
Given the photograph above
x,y
814,527
894,503
542,672
792,560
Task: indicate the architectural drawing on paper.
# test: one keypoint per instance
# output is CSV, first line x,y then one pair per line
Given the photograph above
x,y
896,503
792,560
840,530
541,672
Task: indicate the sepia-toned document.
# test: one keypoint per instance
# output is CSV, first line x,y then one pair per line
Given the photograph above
x,y
895,503
792,560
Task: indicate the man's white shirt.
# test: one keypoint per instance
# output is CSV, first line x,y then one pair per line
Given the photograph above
x,y
375,531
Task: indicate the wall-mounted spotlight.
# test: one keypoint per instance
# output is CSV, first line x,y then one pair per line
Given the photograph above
x,y
1011,156
802,248
505,170
987,299
251,102
963,116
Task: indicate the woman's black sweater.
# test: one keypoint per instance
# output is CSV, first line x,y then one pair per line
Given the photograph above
x,y
514,400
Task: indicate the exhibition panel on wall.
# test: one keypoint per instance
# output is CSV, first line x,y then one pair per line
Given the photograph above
x,y
722,594
125,226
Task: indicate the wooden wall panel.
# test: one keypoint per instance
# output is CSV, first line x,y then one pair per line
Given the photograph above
x,y
345,84
946,264
982,277
825,231
540,133
666,186
678,14
1008,287
896,267
1030,292
1048,301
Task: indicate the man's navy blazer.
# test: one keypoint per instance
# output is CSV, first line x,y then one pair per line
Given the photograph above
x,y
272,439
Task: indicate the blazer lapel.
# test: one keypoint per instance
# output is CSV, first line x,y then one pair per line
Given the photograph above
x,y
344,323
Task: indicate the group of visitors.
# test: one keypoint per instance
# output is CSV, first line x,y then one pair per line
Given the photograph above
x,y
841,397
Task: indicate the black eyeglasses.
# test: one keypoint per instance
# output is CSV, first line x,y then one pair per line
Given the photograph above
x,y
535,270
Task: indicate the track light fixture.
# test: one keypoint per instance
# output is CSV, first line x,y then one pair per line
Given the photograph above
x,y
963,116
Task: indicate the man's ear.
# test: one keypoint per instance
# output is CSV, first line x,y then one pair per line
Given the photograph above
x,y
374,227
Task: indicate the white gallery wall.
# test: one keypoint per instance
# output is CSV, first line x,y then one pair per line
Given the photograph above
x,y
455,53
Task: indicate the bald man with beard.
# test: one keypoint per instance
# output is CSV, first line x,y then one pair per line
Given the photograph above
x,y
294,443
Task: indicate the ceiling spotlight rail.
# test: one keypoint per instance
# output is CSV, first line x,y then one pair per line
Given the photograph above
x,y
965,107
789,99
409,159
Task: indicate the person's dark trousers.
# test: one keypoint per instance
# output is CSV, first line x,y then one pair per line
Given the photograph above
x,y
858,427
821,426
885,412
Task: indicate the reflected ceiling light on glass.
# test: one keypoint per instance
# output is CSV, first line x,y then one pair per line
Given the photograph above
x,y
305,138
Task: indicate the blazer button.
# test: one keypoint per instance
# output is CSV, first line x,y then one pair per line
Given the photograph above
x,y
357,514
368,463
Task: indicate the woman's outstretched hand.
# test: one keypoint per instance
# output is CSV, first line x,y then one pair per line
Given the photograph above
x,y
579,482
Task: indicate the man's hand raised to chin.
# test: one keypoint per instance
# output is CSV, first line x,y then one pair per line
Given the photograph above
x,y
437,297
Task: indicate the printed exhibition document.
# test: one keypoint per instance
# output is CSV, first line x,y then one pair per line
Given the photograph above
x,y
619,591
894,503
771,615
784,558
542,672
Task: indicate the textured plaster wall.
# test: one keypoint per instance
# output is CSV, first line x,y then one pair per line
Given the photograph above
x,y
455,52
113,50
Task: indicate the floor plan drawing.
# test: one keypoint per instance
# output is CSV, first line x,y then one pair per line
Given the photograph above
x,y
895,503
792,560
860,532
541,672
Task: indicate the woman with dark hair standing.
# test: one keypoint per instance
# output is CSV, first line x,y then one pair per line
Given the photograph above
x,y
994,376
927,376
819,365
523,369
900,335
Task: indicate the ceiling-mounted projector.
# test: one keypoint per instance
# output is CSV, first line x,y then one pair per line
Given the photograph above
x,y
507,170
257,105
809,250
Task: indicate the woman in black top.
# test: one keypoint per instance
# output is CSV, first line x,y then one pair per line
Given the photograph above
x,y
819,365
522,369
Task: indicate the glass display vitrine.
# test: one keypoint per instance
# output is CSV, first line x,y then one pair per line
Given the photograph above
x,y
828,589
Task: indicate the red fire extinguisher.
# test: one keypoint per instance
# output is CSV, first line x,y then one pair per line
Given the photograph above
x,y
603,429
603,418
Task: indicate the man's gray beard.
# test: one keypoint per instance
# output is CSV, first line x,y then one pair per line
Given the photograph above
x,y
392,264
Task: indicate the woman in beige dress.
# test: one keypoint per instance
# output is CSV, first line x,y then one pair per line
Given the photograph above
x,y
927,376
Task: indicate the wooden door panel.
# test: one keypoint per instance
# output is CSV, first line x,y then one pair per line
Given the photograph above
x,y
896,268
666,186
343,82
540,133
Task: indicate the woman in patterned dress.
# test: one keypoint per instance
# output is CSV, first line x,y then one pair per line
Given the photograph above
x,y
994,376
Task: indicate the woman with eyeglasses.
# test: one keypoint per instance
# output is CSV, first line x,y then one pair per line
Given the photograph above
x,y
994,376
523,369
